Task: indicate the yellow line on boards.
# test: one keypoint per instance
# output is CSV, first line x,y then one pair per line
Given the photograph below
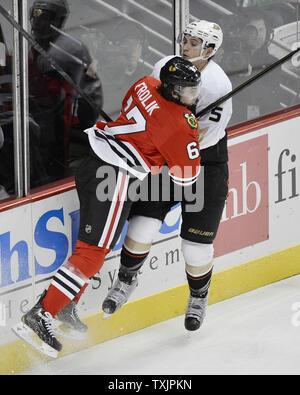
x,y
17,356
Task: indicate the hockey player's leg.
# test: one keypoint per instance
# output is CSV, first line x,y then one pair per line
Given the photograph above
x,y
86,261
198,232
199,265
131,262
65,285
136,248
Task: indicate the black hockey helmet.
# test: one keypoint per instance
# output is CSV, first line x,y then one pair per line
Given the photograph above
x,y
44,13
178,71
176,74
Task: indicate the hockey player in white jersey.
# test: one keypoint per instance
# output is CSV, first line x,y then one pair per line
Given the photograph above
x,y
199,42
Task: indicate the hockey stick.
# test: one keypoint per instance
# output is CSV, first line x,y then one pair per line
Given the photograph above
x,y
246,83
54,65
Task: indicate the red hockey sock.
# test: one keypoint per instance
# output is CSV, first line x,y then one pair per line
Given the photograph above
x,y
70,280
87,258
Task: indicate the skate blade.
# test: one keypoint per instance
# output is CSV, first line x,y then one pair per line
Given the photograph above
x,y
68,333
28,336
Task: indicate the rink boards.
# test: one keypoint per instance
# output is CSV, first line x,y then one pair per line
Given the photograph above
x,y
257,242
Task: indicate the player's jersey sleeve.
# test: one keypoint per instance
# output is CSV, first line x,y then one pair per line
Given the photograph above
x,y
181,151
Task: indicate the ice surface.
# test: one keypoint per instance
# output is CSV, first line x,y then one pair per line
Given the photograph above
x,y
253,333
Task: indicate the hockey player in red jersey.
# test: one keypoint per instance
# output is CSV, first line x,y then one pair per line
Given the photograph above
x,y
199,41
155,127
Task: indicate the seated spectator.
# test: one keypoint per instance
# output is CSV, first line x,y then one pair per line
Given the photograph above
x,y
37,171
119,48
246,54
54,105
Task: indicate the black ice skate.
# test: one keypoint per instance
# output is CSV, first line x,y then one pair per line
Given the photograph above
x,y
119,294
69,323
38,322
195,311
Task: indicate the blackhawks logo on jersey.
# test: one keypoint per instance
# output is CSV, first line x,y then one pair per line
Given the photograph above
x,y
191,120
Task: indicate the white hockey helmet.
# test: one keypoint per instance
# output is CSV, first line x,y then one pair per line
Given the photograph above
x,y
209,32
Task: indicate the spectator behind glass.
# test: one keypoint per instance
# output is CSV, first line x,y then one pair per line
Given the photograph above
x,y
246,53
119,47
57,108
37,171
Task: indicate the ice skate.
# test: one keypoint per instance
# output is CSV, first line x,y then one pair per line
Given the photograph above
x,y
118,295
68,323
195,311
36,329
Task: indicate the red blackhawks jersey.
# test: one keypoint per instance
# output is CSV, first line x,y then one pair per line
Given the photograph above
x,y
150,132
